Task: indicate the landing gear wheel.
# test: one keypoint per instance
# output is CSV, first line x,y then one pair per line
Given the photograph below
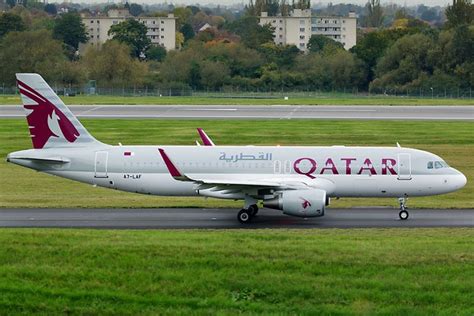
x,y
403,214
244,216
403,208
253,209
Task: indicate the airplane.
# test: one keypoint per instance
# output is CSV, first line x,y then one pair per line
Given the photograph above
x,y
297,180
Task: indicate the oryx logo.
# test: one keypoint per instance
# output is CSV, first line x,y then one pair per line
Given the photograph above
x,y
305,204
45,119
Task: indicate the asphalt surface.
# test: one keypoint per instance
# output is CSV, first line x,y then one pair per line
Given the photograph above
x,y
167,218
262,112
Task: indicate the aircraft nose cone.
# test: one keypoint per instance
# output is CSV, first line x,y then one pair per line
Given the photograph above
x,y
460,180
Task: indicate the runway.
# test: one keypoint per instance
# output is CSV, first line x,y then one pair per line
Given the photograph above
x,y
261,112
167,218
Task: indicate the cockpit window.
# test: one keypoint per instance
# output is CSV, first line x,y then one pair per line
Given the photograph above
x,y
437,165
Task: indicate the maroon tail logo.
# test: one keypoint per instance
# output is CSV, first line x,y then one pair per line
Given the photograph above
x,y
305,203
46,120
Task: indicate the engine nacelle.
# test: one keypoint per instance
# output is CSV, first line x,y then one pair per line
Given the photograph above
x,y
300,203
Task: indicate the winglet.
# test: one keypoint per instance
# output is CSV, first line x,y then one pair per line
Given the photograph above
x,y
175,173
206,140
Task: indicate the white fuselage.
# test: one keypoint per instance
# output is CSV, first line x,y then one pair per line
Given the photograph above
x,y
340,171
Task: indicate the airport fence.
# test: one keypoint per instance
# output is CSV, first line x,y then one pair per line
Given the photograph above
x,y
237,92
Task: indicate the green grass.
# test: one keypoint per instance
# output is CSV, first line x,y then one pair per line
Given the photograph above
x,y
297,100
21,187
313,272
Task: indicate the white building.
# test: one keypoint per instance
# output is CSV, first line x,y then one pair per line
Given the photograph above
x,y
297,28
161,30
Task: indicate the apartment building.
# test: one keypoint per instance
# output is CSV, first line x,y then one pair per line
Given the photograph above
x,y
161,30
297,28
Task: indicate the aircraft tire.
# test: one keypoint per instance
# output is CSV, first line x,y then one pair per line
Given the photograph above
x,y
253,209
244,216
403,215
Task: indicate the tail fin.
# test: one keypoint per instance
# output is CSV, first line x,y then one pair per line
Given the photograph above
x,y
50,122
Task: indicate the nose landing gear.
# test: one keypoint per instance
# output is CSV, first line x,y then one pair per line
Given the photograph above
x,y
403,209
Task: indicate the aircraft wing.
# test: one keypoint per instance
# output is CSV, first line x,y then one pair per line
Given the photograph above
x,y
241,181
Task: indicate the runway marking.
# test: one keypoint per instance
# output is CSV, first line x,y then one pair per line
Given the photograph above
x,y
208,109
90,110
290,115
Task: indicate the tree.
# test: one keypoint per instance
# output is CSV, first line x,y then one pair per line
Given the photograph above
x,y
302,4
404,63
460,12
69,29
112,65
156,53
9,23
340,70
374,13
371,47
179,39
50,8
132,33
30,51
272,7
214,74
429,15
345,70
135,9
183,15
194,9
187,31
318,43
251,32
195,75
282,55
453,54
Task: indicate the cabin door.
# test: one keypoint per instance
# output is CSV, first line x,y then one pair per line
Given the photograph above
x,y
100,167
404,167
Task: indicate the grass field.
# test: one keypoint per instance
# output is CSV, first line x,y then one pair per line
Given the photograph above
x,y
21,187
297,100
313,272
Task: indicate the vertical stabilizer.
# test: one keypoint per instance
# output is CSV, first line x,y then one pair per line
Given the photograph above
x,y
50,122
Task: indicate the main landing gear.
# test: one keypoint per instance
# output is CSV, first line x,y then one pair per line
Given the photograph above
x,y
246,214
403,209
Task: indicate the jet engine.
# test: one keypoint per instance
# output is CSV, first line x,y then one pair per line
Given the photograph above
x,y
300,203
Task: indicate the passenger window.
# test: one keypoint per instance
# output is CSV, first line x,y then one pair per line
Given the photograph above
x,y
438,165
430,165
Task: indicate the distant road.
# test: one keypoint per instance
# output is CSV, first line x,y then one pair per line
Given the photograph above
x,y
262,112
227,218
